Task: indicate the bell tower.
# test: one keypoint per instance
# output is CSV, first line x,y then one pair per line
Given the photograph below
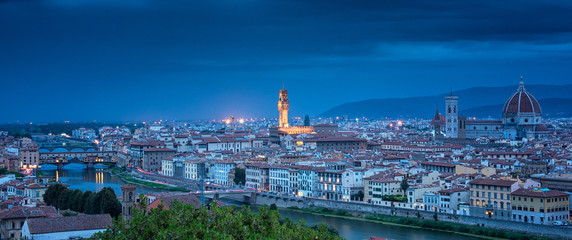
x,y
451,104
127,200
283,107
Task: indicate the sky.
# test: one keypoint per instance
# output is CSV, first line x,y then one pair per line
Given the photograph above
x,y
137,60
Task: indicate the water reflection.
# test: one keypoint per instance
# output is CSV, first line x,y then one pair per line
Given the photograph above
x,y
77,176
353,229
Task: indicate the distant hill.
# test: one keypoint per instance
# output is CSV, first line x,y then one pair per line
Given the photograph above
x,y
551,107
555,100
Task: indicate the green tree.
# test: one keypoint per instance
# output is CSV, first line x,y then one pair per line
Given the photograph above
x,y
239,175
90,207
404,186
357,196
75,200
52,193
108,202
63,200
84,201
183,221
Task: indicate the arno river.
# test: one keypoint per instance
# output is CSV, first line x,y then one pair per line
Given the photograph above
x,y
96,179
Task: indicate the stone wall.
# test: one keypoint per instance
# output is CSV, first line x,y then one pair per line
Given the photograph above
x,y
559,232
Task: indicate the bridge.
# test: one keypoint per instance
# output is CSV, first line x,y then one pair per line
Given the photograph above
x,y
90,158
239,195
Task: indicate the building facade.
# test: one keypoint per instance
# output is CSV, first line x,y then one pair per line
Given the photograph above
x,y
540,206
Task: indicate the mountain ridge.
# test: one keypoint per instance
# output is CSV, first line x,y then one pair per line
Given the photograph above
x,y
474,98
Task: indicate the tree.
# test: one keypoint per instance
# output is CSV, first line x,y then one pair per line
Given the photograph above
x,y
239,175
108,202
358,196
52,193
62,201
84,199
75,200
404,186
183,221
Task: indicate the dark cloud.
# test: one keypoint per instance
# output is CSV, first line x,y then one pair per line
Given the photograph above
x,y
143,58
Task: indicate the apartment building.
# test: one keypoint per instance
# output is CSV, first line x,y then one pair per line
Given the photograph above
x,y
540,206
491,198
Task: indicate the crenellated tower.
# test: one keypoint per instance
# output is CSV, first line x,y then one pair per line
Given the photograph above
x,y
283,107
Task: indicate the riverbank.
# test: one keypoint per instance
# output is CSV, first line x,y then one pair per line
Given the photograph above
x,y
130,179
466,230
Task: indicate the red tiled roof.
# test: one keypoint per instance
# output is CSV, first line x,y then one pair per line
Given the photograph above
x,y
539,193
484,181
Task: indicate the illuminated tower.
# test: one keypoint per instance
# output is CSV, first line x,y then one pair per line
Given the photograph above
x,y
283,106
452,116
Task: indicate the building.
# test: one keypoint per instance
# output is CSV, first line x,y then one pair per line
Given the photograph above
x,y
73,227
438,125
521,114
128,200
521,118
441,167
153,158
283,107
253,175
193,169
136,150
167,167
12,220
29,155
284,127
451,104
307,180
540,206
491,198
279,179
224,173
84,133
352,183
329,185
450,200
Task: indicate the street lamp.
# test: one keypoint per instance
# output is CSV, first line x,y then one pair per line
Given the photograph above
x,y
489,213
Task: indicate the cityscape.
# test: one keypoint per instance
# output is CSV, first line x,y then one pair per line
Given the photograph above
x,y
284,120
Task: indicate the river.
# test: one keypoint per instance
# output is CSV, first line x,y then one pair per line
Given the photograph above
x,y
78,177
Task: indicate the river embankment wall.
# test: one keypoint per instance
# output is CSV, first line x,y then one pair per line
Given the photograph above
x,y
559,232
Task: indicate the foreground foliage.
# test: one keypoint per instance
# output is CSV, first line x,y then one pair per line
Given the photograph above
x,y
183,221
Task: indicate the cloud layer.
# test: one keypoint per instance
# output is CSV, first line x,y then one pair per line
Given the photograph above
x,y
147,59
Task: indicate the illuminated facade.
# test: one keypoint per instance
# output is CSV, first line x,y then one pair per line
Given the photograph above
x,y
283,107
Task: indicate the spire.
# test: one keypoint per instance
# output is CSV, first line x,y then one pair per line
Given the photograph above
x,y
436,114
451,91
521,86
282,86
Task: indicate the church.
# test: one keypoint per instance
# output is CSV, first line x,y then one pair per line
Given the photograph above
x,y
521,118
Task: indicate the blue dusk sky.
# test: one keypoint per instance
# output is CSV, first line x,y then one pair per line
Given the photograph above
x,y
125,60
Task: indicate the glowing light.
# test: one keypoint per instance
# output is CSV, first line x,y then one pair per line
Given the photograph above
x,y
399,123
241,120
227,121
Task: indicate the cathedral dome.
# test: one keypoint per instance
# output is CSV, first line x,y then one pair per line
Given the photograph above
x,y
521,102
